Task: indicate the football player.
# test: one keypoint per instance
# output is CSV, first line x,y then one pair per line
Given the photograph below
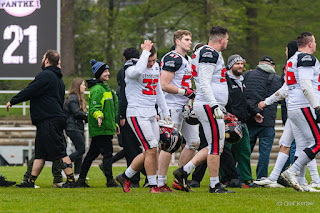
x,y
143,91
302,78
176,74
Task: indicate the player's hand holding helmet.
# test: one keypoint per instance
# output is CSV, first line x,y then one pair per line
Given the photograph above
x,y
189,115
217,112
170,137
233,129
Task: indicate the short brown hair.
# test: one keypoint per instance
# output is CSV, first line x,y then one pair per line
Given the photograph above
x,y
218,31
304,38
152,51
53,57
179,34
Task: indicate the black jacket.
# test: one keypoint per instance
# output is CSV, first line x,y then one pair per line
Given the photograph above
x,y
75,116
237,102
257,90
46,95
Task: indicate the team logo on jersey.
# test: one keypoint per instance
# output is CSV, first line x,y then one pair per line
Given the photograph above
x,y
207,55
306,58
174,55
169,64
129,63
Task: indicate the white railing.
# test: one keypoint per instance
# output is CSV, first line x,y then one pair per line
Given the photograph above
x,y
24,106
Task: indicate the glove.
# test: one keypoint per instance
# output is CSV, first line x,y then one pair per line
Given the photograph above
x,y
317,112
217,113
168,119
190,93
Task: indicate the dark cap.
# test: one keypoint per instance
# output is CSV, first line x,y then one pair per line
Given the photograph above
x,y
268,59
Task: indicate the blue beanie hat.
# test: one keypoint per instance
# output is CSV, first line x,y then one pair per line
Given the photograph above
x,y
98,68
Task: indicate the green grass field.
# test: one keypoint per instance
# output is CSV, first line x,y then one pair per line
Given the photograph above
x,y
98,198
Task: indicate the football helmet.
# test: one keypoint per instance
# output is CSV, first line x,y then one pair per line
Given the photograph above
x,y
189,115
233,132
170,137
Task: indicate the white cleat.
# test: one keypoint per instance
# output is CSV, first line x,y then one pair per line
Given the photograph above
x,y
308,188
292,179
315,185
57,185
268,183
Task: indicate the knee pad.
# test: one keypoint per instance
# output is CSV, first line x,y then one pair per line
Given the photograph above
x,y
65,165
193,145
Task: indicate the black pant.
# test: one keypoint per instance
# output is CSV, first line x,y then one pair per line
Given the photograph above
x,y
131,147
227,163
78,141
101,144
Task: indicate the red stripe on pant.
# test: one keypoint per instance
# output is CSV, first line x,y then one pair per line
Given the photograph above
x,y
314,129
139,133
214,131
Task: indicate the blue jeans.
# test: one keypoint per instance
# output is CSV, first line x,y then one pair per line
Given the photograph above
x,y
266,137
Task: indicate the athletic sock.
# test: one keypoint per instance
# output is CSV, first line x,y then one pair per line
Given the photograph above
x,y
162,180
302,160
301,176
70,177
33,179
152,179
214,181
189,167
281,160
312,166
130,172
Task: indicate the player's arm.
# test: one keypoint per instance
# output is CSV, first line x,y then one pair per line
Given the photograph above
x,y
279,95
161,102
137,70
166,78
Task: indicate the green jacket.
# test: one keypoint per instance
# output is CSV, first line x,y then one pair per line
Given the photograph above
x,y
102,101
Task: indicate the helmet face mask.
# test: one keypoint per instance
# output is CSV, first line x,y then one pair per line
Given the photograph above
x,y
170,138
233,129
189,115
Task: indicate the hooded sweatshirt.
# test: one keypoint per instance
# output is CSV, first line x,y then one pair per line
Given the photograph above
x,y
46,95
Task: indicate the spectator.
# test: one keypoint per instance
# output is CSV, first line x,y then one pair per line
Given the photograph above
x,y
46,95
102,119
76,111
261,83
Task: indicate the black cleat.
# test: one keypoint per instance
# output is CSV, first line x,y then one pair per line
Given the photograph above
x,y
69,184
218,189
125,184
82,183
112,184
26,185
195,184
5,183
182,176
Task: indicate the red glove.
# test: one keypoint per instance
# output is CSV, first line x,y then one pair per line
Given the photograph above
x,y
190,93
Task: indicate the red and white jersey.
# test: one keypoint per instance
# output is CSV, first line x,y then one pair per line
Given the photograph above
x,y
214,72
301,66
143,89
181,66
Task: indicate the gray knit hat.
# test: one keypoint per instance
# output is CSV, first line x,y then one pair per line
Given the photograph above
x,y
232,60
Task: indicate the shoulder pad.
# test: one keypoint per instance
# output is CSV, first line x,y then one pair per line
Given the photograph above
x,y
171,62
306,60
208,55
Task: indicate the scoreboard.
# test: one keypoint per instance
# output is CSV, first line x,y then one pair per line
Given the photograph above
x,y
28,28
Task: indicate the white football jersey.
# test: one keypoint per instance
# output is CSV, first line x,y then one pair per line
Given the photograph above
x,y
218,83
143,89
301,66
181,66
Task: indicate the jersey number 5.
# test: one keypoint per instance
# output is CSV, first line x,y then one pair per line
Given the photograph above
x,y
184,83
151,86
